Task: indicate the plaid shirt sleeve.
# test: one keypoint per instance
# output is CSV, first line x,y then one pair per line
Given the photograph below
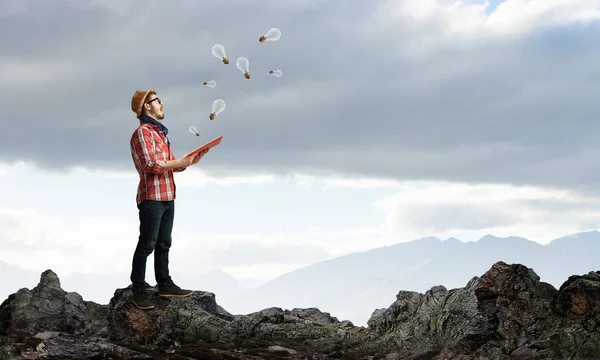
x,y
176,169
142,144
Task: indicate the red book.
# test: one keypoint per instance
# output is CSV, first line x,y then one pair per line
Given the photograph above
x,y
208,145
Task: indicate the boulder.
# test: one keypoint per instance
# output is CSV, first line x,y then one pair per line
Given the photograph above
x,y
47,307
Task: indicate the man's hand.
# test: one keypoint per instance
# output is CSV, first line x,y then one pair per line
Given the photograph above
x,y
186,161
199,156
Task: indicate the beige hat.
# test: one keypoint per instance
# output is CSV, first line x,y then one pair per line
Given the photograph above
x,y
138,99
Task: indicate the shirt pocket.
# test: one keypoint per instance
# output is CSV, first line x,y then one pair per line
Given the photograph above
x,y
161,150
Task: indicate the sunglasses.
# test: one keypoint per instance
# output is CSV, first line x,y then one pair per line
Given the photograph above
x,y
157,99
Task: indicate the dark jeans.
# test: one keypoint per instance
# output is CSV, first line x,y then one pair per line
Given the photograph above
x,y
156,224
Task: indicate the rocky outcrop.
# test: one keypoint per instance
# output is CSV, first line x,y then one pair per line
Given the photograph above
x,y
48,306
197,317
507,313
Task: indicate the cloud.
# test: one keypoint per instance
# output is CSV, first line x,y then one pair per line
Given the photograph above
x,y
403,90
338,216
199,178
466,211
37,240
470,20
360,183
518,16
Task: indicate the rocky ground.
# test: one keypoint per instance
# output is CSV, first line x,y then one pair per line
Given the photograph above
x,y
507,313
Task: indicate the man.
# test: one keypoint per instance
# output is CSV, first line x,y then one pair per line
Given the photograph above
x,y
155,163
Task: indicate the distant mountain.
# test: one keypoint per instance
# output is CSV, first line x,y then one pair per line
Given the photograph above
x,y
352,286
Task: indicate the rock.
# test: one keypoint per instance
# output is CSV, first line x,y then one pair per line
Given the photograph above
x,y
78,347
313,315
504,314
305,330
578,295
47,335
505,311
282,349
193,318
47,307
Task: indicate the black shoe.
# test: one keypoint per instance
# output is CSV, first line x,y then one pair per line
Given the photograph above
x,y
173,290
141,300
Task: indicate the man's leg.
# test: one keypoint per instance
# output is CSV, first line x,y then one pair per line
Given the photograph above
x,y
166,287
163,244
150,214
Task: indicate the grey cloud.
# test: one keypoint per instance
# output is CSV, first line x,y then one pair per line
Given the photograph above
x,y
582,215
39,30
351,100
555,205
444,217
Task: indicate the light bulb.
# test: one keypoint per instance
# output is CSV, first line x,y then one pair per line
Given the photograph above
x,y
211,83
271,35
194,131
244,65
218,106
277,73
219,52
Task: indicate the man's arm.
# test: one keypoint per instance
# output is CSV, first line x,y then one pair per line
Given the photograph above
x,y
181,167
142,143
174,165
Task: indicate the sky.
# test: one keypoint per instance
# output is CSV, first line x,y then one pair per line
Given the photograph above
x,y
393,120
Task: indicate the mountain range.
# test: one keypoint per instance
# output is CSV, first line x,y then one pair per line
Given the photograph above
x,y
352,286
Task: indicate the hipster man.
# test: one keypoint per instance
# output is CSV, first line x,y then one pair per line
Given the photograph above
x,y
155,163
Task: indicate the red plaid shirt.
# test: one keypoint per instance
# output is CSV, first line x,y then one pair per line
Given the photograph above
x,y
150,152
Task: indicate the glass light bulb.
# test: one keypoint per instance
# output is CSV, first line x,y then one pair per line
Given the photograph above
x,y
244,65
272,35
218,106
194,131
277,73
211,83
219,52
